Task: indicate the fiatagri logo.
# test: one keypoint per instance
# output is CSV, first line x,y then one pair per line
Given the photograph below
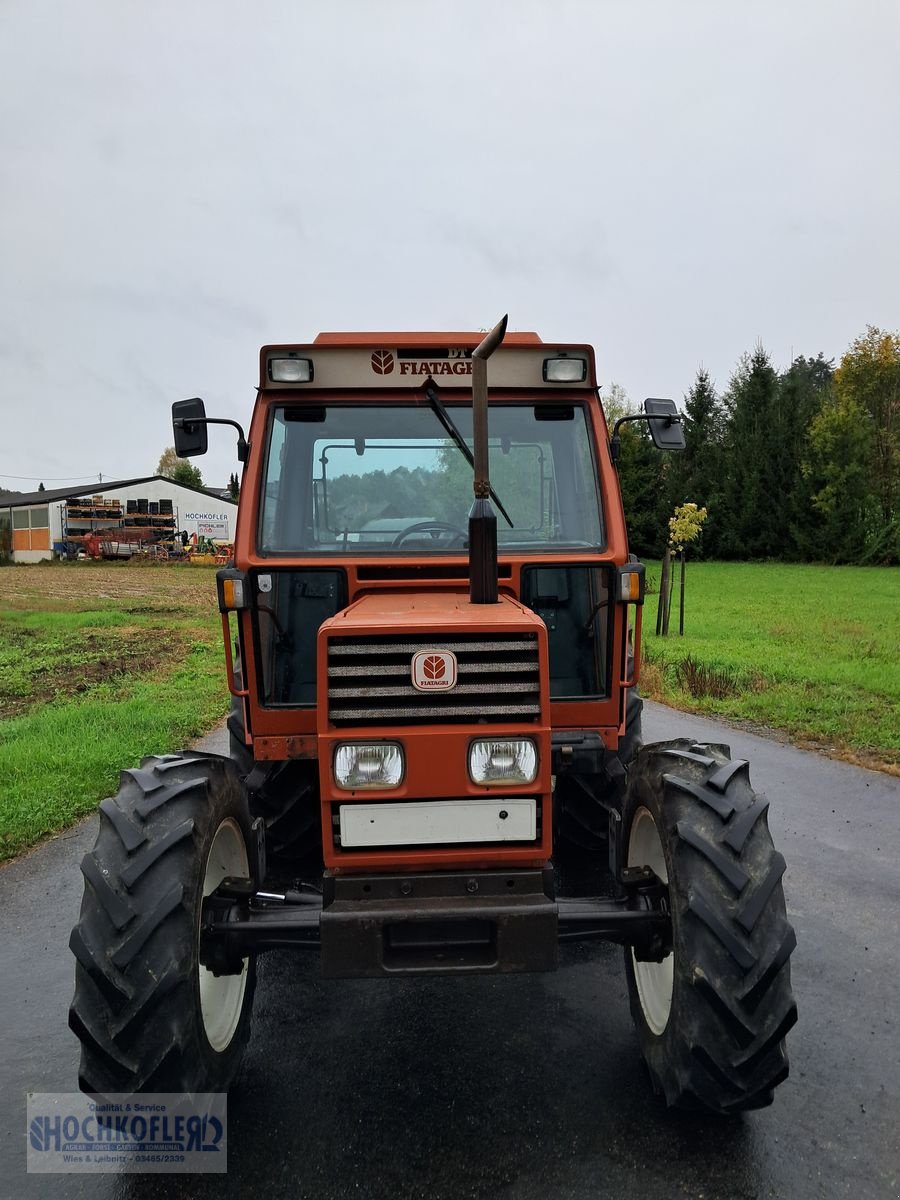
x,y
433,670
457,362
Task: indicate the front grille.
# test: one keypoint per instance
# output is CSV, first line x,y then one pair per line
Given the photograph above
x,y
369,680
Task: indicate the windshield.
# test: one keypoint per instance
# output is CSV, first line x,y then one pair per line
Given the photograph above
x,y
359,479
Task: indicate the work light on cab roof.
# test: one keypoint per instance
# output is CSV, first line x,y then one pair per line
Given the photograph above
x,y
290,368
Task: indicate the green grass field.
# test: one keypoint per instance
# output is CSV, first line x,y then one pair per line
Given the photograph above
x,y
99,665
813,652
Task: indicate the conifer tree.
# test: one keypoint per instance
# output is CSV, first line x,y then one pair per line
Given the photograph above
x,y
751,518
695,476
642,477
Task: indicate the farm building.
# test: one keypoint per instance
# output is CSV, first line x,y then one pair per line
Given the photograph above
x,y
127,513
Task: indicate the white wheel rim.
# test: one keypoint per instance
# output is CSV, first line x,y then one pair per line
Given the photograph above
x,y
654,980
222,996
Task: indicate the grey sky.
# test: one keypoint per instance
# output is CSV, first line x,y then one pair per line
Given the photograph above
x,y
181,182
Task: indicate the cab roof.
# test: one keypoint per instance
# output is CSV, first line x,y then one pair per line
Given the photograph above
x,y
373,361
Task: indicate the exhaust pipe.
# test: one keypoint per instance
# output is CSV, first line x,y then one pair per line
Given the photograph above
x,y
482,518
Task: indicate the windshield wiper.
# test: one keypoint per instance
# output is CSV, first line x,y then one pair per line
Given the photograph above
x,y
446,420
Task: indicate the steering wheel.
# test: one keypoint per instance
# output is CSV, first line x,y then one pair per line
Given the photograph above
x,y
452,534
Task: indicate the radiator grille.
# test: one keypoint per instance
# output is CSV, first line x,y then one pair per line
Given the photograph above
x,y
369,681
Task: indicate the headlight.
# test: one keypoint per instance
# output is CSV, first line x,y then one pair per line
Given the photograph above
x,y
360,765
510,761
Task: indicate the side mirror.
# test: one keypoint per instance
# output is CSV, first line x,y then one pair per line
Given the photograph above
x,y
189,427
665,424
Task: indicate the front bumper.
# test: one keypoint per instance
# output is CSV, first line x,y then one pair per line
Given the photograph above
x,y
460,923
457,923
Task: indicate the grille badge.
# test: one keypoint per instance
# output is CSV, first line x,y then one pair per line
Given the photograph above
x,y
433,670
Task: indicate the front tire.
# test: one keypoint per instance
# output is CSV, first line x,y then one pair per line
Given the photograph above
x,y
149,1016
712,1016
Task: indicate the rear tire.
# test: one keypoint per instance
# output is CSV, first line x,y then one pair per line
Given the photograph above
x,y
712,1017
148,1015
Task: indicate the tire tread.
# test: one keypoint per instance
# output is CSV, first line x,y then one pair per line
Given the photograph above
x,y
732,1007
134,1010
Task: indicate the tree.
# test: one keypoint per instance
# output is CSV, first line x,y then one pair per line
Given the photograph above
x,y
642,477
186,473
695,475
234,486
685,526
839,451
616,404
751,518
804,390
179,470
167,461
869,378
41,487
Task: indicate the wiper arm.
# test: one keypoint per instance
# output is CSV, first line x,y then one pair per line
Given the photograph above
x,y
446,420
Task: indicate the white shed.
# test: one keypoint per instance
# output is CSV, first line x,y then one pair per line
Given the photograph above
x,y
34,525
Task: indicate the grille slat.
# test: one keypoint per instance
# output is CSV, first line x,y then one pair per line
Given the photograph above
x,y
516,666
500,712
408,646
461,689
370,680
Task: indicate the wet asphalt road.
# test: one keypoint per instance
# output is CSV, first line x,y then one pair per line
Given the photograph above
x,y
522,1087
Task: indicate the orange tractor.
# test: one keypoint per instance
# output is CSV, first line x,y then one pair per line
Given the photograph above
x,y
436,763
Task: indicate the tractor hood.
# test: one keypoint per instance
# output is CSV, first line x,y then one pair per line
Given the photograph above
x,y
419,613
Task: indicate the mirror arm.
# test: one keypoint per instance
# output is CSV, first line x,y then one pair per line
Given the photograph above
x,y
243,448
615,442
